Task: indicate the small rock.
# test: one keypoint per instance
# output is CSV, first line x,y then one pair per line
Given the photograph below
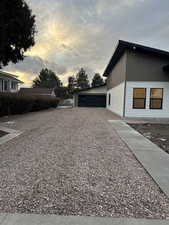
x,y
163,139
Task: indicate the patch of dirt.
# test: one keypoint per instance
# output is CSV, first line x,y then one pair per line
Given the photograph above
x,y
157,133
2,133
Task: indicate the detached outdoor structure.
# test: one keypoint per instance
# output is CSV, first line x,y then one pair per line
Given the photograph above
x,y
9,82
91,97
138,81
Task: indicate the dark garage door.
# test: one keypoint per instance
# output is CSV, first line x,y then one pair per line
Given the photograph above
x,y
92,101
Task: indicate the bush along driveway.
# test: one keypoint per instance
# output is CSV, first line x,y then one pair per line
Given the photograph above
x,y
72,162
15,103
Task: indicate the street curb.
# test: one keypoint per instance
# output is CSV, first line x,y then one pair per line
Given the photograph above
x,y
27,219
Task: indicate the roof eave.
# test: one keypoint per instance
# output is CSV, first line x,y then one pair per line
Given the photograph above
x,y
86,89
123,46
119,50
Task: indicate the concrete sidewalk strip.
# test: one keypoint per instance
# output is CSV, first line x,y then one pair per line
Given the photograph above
x,y
2,218
153,158
11,134
25,219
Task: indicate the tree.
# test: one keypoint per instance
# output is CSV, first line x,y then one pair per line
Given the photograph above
x,y
46,79
62,92
17,29
97,80
82,79
71,85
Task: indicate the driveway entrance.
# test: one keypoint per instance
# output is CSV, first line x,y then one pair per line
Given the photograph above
x,y
72,162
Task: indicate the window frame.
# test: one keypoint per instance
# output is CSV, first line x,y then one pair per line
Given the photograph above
x,y
157,99
13,85
6,83
140,98
109,100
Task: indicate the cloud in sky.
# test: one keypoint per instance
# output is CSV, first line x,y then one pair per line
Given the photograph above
x,y
83,33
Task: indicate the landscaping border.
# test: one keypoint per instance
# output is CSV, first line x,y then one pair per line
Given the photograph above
x,y
11,134
152,158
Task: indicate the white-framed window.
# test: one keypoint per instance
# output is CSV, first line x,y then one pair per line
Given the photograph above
x,y
139,98
156,98
6,83
13,85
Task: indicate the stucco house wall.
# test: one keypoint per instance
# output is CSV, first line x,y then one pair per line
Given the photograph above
x,y
147,112
145,70
138,69
116,87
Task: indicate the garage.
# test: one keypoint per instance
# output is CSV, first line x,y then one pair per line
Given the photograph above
x,y
92,101
91,97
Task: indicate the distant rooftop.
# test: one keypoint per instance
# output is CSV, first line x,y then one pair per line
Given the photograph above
x,y
36,91
9,76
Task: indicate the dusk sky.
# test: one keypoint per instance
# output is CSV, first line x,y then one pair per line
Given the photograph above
x,y
84,33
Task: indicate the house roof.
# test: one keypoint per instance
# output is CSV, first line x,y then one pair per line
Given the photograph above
x,y
10,77
86,89
36,91
123,46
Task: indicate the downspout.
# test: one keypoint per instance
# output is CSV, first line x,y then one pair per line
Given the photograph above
x,y
124,102
124,105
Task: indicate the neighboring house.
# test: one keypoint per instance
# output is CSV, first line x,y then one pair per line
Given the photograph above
x,y
138,81
9,82
37,91
91,97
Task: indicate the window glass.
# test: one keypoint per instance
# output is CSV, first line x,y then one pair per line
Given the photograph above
x,y
156,98
5,85
13,85
155,104
139,98
139,103
156,93
139,92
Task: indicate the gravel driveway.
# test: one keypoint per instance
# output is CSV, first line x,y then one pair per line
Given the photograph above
x,y
72,162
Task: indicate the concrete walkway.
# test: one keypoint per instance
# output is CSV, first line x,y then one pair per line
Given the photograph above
x,y
153,159
11,134
22,219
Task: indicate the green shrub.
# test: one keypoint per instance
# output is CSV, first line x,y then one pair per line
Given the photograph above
x,y
14,103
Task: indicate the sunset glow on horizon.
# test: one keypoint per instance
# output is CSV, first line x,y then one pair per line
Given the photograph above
x,y
70,36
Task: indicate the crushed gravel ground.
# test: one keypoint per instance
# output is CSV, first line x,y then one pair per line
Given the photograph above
x,y
72,162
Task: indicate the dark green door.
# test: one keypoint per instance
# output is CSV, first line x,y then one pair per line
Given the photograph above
x,y
92,101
